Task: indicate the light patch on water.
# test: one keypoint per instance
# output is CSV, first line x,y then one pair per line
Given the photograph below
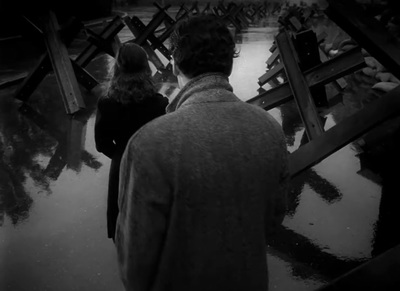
x,y
344,228
250,65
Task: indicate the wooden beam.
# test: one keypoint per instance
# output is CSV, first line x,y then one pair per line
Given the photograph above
x,y
33,79
366,31
108,34
273,59
272,73
149,29
143,33
322,74
345,132
84,77
62,66
9,81
153,57
299,86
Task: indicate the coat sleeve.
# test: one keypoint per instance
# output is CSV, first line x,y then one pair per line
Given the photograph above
x,y
144,203
103,129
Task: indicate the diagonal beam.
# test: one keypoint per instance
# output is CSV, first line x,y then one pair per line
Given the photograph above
x,y
43,67
299,86
108,33
272,73
62,66
322,74
345,132
273,59
143,33
367,31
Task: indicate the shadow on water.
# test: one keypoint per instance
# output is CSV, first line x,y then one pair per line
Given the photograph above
x,y
37,141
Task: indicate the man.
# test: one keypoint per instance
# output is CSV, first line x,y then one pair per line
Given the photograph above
x,y
202,185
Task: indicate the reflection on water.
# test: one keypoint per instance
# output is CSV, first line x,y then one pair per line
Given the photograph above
x,y
53,180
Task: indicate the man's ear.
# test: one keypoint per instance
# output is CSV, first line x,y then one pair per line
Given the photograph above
x,y
175,69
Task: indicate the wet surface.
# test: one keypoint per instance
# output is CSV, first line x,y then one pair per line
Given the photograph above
x,y
53,183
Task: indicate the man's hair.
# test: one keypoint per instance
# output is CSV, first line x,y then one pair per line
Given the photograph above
x,y
202,44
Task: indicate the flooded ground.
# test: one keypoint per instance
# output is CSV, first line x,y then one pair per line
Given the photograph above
x,y
53,184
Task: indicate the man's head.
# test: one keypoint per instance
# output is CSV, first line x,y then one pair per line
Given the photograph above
x,y
202,44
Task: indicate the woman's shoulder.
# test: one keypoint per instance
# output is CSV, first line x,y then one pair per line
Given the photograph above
x,y
106,103
107,100
160,99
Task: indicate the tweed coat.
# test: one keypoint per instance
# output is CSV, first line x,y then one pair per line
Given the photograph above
x,y
200,189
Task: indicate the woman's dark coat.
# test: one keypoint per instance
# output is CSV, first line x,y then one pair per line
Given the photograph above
x,y
115,124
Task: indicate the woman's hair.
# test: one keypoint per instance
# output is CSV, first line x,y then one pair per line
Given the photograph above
x,y
130,78
202,44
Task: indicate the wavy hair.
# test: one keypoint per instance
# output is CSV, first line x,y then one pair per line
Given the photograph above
x,y
130,78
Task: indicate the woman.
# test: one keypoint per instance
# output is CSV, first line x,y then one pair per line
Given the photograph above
x,y
130,102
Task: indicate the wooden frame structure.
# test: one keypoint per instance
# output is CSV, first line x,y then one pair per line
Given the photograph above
x,y
56,58
379,272
145,35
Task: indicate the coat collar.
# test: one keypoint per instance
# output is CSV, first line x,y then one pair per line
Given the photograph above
x,y
195,91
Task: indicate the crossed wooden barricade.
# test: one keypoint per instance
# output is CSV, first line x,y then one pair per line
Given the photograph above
x,y
370,35
233,14
71,72
379,272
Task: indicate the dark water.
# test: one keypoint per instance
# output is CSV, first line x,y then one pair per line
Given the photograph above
x,y
53,185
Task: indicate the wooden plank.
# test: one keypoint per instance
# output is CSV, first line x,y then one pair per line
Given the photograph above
x,y
345,132
273,47
84,77
153,57
142,34
340,83
307,50
299,86
168,19
273,59
108,33
150,28
380,273
272,73
322,74
366,31
10,81
182,12
273,97
62,66
67,34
